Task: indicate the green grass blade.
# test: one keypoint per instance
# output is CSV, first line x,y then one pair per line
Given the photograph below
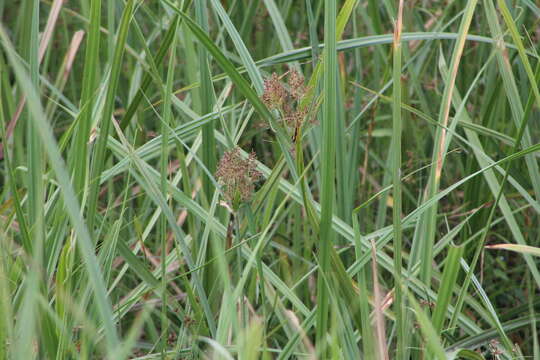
x,y
399,307
251,68
326,235
429,221
429,333
70,200
448,281
79,157
206,96
98,157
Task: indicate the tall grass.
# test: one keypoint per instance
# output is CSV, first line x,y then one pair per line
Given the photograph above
x,y
269,179
327,176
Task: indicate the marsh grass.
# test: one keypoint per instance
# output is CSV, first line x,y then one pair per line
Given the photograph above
x,y
269,179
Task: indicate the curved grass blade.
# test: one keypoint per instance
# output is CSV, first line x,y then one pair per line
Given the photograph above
x,y
522,249
84,242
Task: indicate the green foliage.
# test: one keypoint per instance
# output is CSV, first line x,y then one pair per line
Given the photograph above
x,y
238,179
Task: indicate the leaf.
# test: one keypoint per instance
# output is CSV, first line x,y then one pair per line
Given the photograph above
x,y
523,249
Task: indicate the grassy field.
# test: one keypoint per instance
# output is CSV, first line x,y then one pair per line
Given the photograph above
x,y
269,179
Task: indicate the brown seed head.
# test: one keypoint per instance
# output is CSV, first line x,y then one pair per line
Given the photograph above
x,y
296,85
295,119
237,176
274,93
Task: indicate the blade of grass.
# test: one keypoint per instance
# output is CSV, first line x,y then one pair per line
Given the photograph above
x,y
147,79
44,43
326,234
313,39
241,83
34,154
494,319
279,25
521,49
23,225
500,199
26,328
251,68
433,343
164,168
448,281
522,249
399,304
150,184
428,223
98,158
382,346
6,309
206,96
70,200
79,159
365,41
511,88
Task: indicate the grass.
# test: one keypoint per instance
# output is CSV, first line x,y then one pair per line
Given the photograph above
x,y
382,201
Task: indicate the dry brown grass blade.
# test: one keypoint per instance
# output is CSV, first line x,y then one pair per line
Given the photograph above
x,y
72,52
49,28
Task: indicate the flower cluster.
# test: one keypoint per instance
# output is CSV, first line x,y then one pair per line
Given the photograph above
x,y
286,99
296,85
237,176
274,92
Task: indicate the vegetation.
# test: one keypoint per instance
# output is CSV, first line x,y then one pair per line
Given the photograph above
x,y
269,179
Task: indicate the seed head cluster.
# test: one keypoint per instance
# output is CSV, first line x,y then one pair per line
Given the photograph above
x,y
237,176
274,92
296,85
286,99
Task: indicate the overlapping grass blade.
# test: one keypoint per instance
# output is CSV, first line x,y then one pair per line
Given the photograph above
x,y
70,200
328,135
